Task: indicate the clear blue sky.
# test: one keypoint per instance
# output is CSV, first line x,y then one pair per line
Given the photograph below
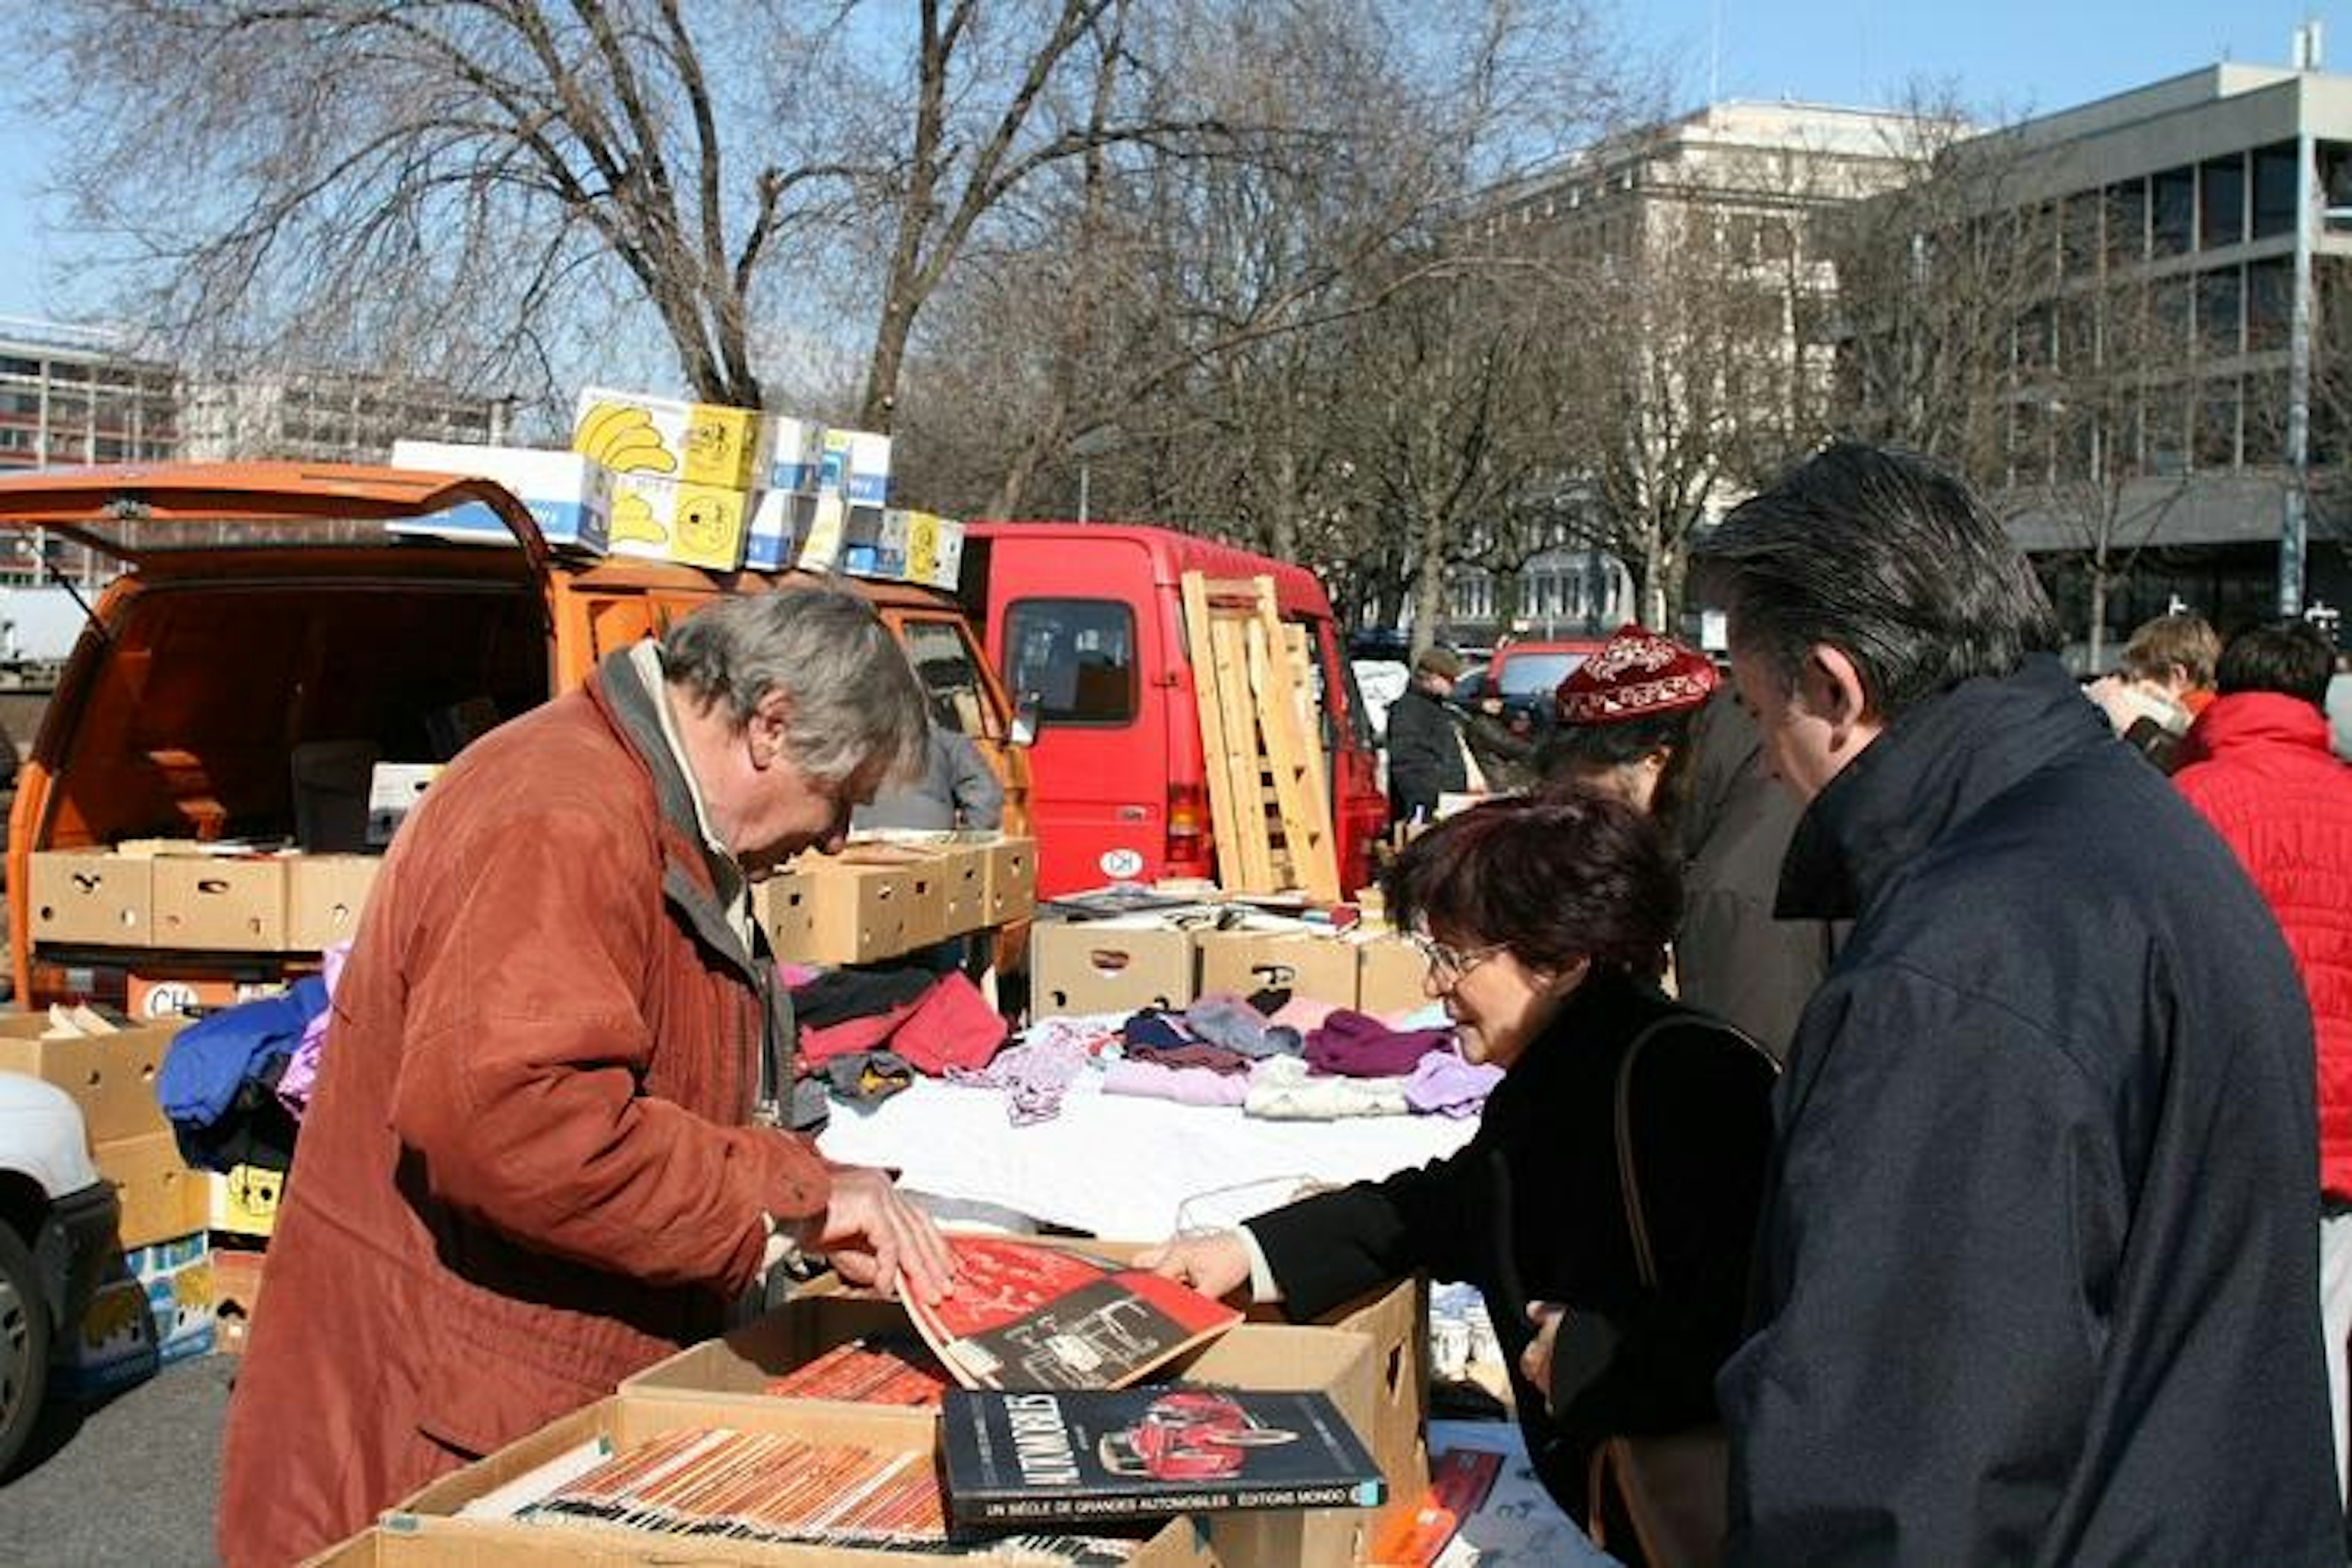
x,y
2012,56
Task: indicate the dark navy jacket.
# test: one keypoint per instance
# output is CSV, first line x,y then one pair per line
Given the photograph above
x,y
2037,1278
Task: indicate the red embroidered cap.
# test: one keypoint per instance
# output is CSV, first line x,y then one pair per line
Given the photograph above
x,y
1636,674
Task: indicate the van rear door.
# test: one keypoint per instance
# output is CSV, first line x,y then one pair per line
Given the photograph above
x,y
1071,627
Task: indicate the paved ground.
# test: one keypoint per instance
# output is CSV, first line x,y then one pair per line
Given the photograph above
x,y
130,1482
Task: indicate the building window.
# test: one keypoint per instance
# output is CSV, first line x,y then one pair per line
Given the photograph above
x,y
2335,186
2172,315
2127,237
2264,431
2220,295
2216,424
2172,211
2164,429
2270,304
2078,234
2273,190
2222,202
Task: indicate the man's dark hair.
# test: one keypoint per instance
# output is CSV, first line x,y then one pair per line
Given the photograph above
x,y
1887,557
2291,657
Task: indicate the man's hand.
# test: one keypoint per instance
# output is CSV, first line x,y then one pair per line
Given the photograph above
x,y
1212,1265
1534,1362
876,1236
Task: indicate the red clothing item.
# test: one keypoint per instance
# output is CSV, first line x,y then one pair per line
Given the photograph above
x,y
526,1172
949,1025
2259,768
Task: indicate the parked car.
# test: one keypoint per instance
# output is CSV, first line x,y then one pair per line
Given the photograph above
x,y
1532,672
58,1220
262,610
1085,621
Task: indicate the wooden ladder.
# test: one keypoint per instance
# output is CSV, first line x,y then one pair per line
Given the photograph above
x,y
1269,799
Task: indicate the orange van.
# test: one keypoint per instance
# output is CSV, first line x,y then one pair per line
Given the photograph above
x,y
1085,623
263,607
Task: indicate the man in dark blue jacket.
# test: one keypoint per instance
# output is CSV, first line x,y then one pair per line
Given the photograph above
x,y
2036,1279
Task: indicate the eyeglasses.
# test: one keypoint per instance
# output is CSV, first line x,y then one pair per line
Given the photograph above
x,y
1448,964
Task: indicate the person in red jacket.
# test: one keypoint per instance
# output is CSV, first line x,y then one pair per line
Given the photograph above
x,y
2257,766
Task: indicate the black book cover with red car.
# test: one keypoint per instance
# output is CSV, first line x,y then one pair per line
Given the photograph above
x,y
1101,1456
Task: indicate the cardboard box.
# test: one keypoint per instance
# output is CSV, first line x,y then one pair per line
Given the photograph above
x,y
730,1373
928,869
771,531
221,902
795,454
236,1297
818,523
111,1077
244,1201
690,443
1389,973
568,495
160,1197
324,896
393,790
1010,885
1109,966
673,519
944,567
782,905
1240,963
153,1308
850,914
856,464
427,1531
876,543
91,896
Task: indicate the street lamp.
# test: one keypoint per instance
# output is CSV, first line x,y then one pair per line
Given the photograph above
x,y
1091,442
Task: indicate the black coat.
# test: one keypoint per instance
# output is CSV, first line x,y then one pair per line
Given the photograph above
x,y
2037,1280
1531,1210
1424,754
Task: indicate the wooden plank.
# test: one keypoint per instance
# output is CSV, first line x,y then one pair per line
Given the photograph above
x,y
1306,810
1253,849
1225,802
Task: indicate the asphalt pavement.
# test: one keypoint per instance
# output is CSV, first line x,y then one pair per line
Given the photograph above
x,y
130,1481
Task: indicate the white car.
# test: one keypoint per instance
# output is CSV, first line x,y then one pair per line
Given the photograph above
x,y
59,1225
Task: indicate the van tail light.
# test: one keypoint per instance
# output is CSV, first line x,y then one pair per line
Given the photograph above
x,y
1190,845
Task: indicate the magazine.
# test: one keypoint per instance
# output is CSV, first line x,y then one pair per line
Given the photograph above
x,y
1096,1456
1025,1316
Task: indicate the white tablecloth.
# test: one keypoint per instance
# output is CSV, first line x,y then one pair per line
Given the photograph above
x,y
1118,1166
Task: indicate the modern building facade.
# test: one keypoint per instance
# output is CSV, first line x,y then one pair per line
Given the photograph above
x,y
1710,215
2178,394
82,394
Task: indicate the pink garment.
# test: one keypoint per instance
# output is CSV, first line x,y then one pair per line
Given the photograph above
x,y
1186,1085
1445,1085
949,1025
301,1075
1356,1045
1034,1075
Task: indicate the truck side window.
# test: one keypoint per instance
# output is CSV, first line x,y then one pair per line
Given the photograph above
x,y
1077,655
943,657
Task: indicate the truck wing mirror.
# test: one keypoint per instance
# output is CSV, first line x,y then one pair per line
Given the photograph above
x,y
1026,715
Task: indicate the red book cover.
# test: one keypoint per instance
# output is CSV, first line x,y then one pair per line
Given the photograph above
x,y
1030,1317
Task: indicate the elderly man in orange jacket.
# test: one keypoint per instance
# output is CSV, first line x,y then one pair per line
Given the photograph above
x,y
545,1148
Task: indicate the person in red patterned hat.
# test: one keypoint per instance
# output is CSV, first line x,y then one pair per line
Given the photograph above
x,y
1645,719
1625,717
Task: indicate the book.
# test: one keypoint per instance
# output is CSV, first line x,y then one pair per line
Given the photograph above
x,y
1029,1317
879,1369
1459,1481
1099,1456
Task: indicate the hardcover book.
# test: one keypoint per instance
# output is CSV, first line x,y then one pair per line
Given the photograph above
x,y
1099,1456
1030,1317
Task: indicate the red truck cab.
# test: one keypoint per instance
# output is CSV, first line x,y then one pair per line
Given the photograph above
x,y
1085,622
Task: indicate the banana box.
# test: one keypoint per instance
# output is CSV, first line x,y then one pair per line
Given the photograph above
x,y
934,550
568,495
152,1307
684,443
795,455
771,538
664,520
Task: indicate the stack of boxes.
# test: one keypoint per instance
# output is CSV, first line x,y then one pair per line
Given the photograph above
x,y
705,486
154,1304
1120,965
880,898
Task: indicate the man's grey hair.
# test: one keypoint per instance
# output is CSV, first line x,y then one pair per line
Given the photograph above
x,y
856,705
